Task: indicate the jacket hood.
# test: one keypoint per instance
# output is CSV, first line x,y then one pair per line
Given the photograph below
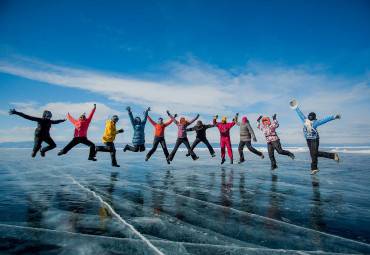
x,y
137,118
44,114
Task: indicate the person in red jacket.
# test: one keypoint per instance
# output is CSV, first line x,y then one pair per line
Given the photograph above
x,y
80,136
224,129
159,137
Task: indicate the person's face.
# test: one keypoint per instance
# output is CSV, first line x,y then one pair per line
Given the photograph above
x,y
160,121
115,120
82,117
199,123
244,121
265,122
137,120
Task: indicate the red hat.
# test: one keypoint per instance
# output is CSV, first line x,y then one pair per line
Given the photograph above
x,y
266,119
182,118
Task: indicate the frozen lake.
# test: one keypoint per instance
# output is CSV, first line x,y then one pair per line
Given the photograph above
x,y
69,205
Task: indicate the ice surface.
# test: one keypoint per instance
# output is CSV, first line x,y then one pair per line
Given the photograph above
x,y
69,205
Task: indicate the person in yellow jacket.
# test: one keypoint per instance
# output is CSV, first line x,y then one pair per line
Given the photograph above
x,y
108,138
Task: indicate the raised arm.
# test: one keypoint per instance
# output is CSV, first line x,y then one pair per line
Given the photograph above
x,y
190,122
12,111
168,123
258,123
89,118
57,121
323,121
131,118
236,119
276,123
151,121
69,117
301,115
145,116
172,118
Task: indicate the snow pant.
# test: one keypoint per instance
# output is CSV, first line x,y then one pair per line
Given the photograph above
x,y
156,141
136,148
250,148
78,140
276,145
109,147
313,146
179,141
46,139
226,141
205,141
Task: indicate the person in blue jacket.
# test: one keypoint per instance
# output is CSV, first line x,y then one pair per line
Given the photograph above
x,y
311,134
138,140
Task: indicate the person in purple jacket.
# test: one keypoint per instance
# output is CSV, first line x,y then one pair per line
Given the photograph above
x,y
182,136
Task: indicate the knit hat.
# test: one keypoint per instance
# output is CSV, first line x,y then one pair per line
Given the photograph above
x,y
312,116
115,117
245,118
223,118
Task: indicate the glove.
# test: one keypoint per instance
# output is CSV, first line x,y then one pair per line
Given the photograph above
x,y
175,115
237,114
254,140
94,106
168,112
274,116
12,111
259,118
120,131
148,109
64,119
337,116
128,108
215,117
197,115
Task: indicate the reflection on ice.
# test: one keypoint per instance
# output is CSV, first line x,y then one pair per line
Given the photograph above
x,y
79,207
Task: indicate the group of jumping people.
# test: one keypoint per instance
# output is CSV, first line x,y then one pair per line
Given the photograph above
x,y
42,134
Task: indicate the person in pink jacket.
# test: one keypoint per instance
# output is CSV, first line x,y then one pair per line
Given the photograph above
x,y
80,136
224,129
182,136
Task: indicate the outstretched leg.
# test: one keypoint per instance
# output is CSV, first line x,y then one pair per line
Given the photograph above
x,y
154,148
241,154
209,146
270,149
51,146
177,145
73,143
87,142
37,145
277,146
190,151
195,143
164,147
229,149
251,149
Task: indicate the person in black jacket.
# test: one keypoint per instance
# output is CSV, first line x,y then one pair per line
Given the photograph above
x,y
42,132
201,136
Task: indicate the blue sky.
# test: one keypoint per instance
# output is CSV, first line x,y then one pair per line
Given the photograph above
x,y
206,57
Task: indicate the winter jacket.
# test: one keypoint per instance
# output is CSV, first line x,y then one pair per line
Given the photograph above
x,y
269,131
201,130
224,128
182,128
159,128
110,132
44,124
139,135
314,124
246,131
81,126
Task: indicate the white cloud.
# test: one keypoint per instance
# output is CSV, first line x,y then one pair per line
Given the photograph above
x,y
196,87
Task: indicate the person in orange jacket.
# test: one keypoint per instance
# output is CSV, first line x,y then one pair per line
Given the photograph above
x,y
159,137
108,139
80,136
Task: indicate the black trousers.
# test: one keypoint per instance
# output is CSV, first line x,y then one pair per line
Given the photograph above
x,y
205,141
46,139
250,148
109,147
78,140
156,141
313,146
179,141
276,145
137,148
